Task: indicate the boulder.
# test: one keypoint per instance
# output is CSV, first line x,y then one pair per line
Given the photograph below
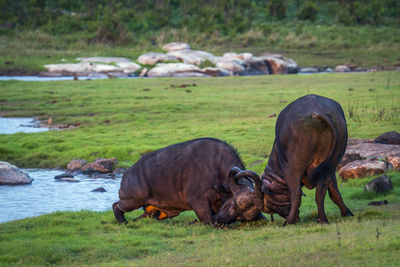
x,y
93,167
105,68
275,62
392,138
257,66
11,175
153,58
362,168
117,74
308,70
394,161
175,46
373,150
104,59
99,189
170,69
381,184
70,67
129,67
109,164
342,68
241,56
76,165
234,66
195,57
349,157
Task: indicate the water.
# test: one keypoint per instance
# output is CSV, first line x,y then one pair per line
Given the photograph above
x,y
46,195
15,125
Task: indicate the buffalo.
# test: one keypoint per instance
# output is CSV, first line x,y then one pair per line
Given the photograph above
x,y
192,175
310,140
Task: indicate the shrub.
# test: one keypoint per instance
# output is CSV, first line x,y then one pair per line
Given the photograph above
x,y
308,11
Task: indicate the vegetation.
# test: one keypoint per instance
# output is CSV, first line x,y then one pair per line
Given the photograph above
x,y
363,33
126,118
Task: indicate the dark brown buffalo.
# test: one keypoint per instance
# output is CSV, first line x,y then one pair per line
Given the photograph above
x,y
187,176
310,140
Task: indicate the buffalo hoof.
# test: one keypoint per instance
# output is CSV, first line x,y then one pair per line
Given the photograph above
x,y
119,215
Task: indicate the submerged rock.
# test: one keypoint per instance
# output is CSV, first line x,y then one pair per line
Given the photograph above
x,y
99,189
64,175
72,180
11,175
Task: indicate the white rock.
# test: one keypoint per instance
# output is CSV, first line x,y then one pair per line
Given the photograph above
x,y
175,46
234,66
342,68
104,59
195,57
170,69
70,67
129,67
105,68
153,58
11,175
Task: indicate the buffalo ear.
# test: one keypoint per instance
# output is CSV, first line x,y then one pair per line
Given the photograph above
x,y
223,190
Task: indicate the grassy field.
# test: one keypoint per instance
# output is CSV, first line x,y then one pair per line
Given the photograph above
x,y
308,44
126,118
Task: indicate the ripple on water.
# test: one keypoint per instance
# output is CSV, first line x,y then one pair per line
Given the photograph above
x,y
46,195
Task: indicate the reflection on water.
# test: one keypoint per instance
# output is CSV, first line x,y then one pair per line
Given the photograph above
x,y
15,125
46,195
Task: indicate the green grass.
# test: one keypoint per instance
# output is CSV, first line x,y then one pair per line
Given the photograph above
x,y
91,238
122,120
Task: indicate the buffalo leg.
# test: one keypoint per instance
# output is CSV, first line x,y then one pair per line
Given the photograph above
x,y
123,206
320,194
203,211
295,199
336,197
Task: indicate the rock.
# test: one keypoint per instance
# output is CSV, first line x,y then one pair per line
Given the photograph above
x,y
380,184
97,75
291,66
64,175
215,72
342,68
129,67
107,163
143,73
234,66
373,150
50,74
355,141
11,175
276,64
70,67
378,203
241,56
308,70
99,189
349,157
362,168
71,180
153,58
104,59
257,66
394,161
190,74
195,57
170,69
105,68
76,165
93,167
175,46
392,138
117,74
